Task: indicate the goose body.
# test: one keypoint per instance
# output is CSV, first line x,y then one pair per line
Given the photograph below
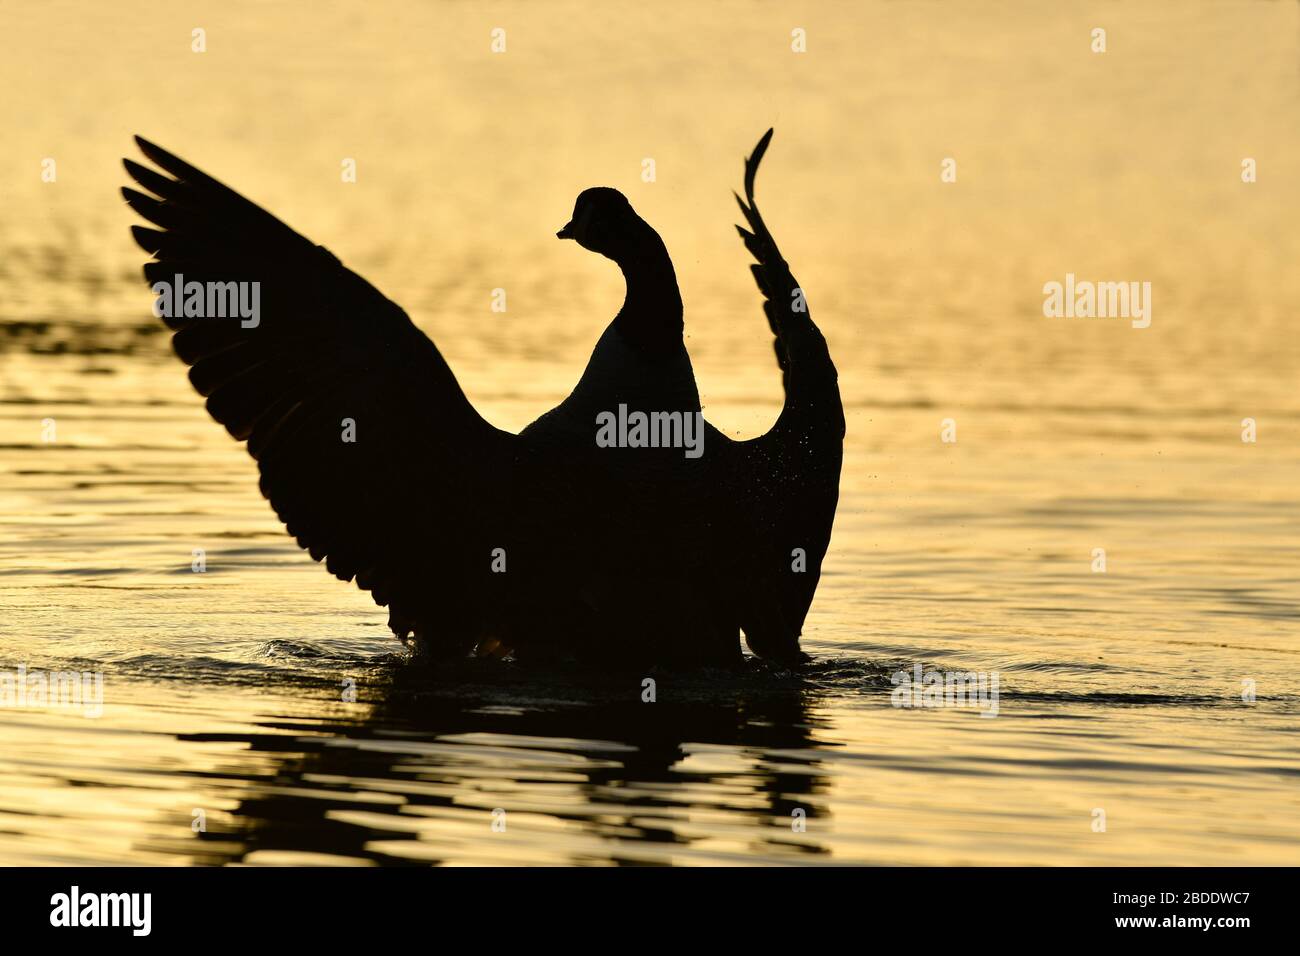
x,y
543,544
618,373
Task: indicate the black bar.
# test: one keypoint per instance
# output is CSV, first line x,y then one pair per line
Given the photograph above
x,y
328,906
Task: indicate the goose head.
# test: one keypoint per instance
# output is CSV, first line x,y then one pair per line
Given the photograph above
x,y
605,222
651,317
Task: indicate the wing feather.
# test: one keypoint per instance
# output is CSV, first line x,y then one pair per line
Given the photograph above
x,y
785,483
411,508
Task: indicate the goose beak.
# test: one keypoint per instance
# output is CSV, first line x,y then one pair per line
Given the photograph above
x,y
566,232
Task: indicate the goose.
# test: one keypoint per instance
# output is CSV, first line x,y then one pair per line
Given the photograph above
x,y
541,545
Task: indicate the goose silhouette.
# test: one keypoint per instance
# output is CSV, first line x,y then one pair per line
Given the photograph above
x,y
545,545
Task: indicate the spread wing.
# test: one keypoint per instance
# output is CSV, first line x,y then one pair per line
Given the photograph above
x,y
785,484
369,451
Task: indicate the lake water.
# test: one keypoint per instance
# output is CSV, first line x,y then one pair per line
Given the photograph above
x,y
225,734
